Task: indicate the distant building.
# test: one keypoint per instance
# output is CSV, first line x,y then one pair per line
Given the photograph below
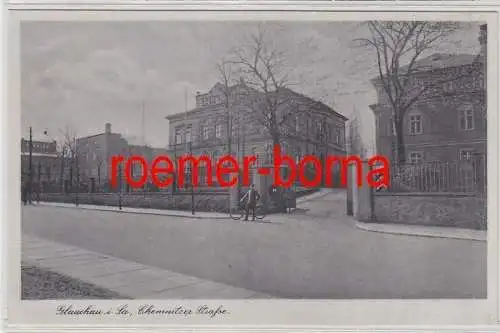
x,y
448,122
45,164
95,153
308,127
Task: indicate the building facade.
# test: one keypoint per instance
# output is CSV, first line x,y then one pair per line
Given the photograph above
x,y
228,120
45,162
448,121
94,155
96,151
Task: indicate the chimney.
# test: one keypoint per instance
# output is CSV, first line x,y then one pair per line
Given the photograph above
x,y
108,128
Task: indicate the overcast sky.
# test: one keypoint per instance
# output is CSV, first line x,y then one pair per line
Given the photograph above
x,y
84,74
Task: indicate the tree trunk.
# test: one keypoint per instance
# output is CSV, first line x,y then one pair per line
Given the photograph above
x,y
62,175
400,145
71,176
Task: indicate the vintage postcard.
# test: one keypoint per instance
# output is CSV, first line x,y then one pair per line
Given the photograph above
x,y
183,168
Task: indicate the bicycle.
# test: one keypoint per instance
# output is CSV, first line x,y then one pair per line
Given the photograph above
x,y
239,212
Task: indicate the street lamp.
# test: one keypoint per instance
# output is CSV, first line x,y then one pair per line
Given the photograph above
x,y
120,186
192,180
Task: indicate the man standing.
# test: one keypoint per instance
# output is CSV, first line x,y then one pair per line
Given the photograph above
x,y
252,196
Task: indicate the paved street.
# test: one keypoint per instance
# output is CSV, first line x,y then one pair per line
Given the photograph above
x,y
315,253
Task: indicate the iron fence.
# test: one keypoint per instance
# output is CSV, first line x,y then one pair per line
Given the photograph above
x,y
466,176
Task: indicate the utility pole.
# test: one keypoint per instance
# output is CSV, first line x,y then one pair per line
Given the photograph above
x,y
143,138
39,181
30,182
192,183
77,172
174,183
190,146
119,186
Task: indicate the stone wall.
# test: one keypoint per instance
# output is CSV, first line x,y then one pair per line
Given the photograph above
x,y
431,209
214,202
208,201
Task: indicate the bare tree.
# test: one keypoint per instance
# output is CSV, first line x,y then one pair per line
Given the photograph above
x,y
396,43
263,68
71,154
226,74
355,144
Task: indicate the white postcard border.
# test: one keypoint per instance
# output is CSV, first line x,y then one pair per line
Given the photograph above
x,y
277,314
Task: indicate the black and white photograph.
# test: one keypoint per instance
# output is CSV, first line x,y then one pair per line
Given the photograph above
x,y
104,102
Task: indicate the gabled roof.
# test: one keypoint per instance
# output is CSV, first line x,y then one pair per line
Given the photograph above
x,y
442,60
315,102
437,61
242,84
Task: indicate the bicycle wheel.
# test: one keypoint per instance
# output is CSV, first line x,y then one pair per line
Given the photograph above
x,y
260,212
236,213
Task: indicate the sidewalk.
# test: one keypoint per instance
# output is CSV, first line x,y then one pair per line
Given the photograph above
x,y
424,231
320,193
162,212
126,278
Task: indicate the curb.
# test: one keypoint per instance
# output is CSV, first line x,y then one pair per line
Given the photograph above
x,y
386,229
141,213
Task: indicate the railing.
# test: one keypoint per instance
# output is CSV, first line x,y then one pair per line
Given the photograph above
x,y
467,176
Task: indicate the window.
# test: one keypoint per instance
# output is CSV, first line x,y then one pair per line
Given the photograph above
x,y
336,135
416,157
466,154
234,130
188,134
269,151
297,123
297,155
218,130
466,118
416,124
285,130
206,132
178,136
215,156
448,86
254,152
